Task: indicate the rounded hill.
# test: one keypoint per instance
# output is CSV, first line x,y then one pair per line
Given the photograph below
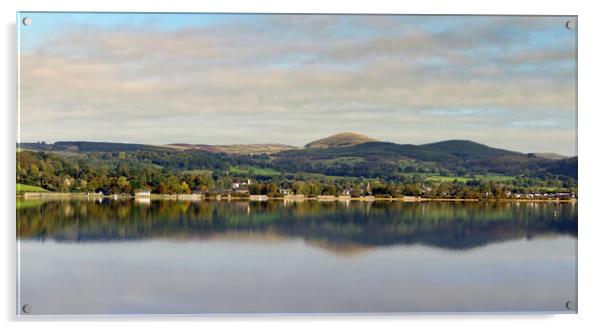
x,y
346,139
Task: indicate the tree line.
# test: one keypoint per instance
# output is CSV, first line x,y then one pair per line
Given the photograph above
x,y
127,173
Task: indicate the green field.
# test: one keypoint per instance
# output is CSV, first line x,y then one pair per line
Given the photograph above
x,y
549,189
198,172
342,160
247,170
27,188
463,179
307,175
442,178
496,177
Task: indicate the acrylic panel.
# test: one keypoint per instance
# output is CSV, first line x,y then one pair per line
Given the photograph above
x,y
205,163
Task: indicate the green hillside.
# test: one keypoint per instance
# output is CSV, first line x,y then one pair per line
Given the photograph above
x,y
116,167
468,149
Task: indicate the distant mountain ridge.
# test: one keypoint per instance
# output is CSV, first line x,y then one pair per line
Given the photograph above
x,y
344,154
340,140
85,146
550,155
240,149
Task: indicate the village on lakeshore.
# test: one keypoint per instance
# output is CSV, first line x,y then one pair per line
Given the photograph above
x,y
246,189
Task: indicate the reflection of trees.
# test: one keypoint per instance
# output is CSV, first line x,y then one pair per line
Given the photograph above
x,y
448,225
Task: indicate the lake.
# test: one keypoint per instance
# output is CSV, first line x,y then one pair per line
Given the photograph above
x,y
176,257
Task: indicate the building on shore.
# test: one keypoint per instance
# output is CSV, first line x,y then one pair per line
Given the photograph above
x,y
239,184
258,197
142,194
285,191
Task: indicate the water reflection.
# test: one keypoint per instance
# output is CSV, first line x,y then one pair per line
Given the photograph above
x,y
337,226
170,257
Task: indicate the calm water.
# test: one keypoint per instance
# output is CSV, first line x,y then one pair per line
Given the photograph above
x,y
167,257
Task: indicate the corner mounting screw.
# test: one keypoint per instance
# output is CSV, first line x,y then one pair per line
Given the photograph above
x,y
26,309
569,305
569,25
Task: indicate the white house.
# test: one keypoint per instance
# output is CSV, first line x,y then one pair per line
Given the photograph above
x,y
285,191
239,184
142,194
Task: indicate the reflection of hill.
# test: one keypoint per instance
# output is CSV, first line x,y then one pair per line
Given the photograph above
x,y
336,226
340,248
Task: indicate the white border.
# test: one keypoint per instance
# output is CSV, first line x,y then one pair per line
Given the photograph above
x,y
589,154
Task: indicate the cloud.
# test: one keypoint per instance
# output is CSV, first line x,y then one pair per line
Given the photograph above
x,y
460,112
266,73
544,123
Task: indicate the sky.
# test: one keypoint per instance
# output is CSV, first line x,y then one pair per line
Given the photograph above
x,y
504,81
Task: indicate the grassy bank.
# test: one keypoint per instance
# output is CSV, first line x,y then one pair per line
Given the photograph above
x,y
248,170
21,188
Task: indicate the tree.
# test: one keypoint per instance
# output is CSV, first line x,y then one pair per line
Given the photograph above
x,y
329,189
162,189
173,185
270,189
184,188
123,184
256,189
300,188
204,182
314,188
82,184
411,189
65,184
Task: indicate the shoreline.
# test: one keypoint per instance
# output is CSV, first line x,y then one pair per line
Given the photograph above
x,y
293,198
